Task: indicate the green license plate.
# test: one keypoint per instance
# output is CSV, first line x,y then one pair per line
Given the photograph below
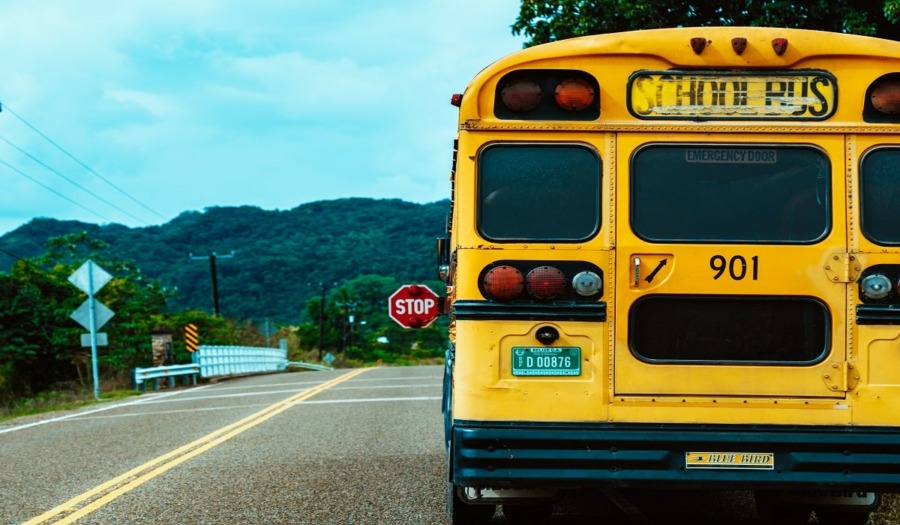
x,y
546,361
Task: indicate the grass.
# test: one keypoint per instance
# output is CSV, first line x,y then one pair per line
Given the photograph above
x,y
59,400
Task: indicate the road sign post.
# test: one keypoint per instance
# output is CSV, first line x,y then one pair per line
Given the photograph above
x,y
90,278
414,306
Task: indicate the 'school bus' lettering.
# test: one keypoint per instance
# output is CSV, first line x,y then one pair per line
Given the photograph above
x,y
725,95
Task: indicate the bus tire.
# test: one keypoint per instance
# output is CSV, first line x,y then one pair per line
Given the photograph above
x,y
534,514
842,517
462,513
772,510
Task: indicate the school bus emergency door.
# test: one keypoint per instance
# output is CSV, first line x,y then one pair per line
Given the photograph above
x,y
729,268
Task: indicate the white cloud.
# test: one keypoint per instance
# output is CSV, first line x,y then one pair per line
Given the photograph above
x,y
201,103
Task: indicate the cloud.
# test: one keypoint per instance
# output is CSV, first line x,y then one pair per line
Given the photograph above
x,y
204,103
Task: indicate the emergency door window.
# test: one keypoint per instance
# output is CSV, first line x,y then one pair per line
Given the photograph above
x,y
731,194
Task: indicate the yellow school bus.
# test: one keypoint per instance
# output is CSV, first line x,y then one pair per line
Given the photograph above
x,y
672,261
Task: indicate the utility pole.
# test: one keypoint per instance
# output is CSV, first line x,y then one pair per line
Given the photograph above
x,y
321,321
350,310
322,314
212,272
351,317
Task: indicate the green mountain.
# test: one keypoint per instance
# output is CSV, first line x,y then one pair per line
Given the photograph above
x,y
280,257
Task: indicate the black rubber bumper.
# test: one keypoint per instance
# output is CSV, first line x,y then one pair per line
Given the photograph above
x,y
523,455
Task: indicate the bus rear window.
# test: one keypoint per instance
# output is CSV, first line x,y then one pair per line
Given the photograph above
x,y
880,186
537,192
729,330
730,194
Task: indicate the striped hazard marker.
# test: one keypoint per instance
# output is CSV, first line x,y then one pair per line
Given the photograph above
x,y
191,338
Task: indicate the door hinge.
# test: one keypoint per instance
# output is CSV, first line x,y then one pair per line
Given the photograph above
x,y
841,377
842,268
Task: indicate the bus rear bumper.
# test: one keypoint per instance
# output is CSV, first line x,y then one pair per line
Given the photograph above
x,y
529,455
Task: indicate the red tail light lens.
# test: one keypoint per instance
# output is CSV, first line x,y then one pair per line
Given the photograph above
x,y
521,95
886,97
574,94
545,282
503,283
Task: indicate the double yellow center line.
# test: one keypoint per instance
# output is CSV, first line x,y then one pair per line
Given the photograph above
x,y
99,496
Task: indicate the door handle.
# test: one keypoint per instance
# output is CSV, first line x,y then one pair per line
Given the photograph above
x,y
637,271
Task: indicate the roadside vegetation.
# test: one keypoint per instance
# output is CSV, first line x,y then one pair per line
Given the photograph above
x,y
44,367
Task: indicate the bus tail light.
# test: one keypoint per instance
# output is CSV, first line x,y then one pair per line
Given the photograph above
x,y
587,284
518,281
545,283
503,283
876,286
547,94
574,94
885,96
521,95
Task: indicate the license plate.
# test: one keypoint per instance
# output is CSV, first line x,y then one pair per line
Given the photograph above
x,y
546,361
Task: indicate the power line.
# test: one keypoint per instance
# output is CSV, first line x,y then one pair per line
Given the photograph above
x,y
83,165
48,188
14,256
79,186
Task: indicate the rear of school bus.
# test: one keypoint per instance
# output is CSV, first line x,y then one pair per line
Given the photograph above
x,y
673,262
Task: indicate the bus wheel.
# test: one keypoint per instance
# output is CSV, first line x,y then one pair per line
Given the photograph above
x,y
536,514
772,510
461,513
842,517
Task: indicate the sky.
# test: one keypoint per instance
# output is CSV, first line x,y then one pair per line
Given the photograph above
x,y
135,111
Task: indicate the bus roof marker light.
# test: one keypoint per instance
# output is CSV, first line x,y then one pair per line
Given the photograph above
x,y
521,95
574,94
456,99
886,96
698,44
876,286
779,45
739,44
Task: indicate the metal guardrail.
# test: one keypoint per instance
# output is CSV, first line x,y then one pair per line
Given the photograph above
x,y
170,372
217,361
311,366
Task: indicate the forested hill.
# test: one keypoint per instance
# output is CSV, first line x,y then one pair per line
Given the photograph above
x,y
279,256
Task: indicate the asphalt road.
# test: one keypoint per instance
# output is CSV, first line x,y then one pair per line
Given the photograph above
x,y
343,447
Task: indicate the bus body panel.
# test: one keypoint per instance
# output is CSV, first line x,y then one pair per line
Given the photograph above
x,y
729,269
638,412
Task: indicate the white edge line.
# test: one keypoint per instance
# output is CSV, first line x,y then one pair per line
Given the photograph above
x,y
100,409
301,403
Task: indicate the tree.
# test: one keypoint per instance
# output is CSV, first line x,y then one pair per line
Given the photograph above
x,y
372,335
40,345
545,21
